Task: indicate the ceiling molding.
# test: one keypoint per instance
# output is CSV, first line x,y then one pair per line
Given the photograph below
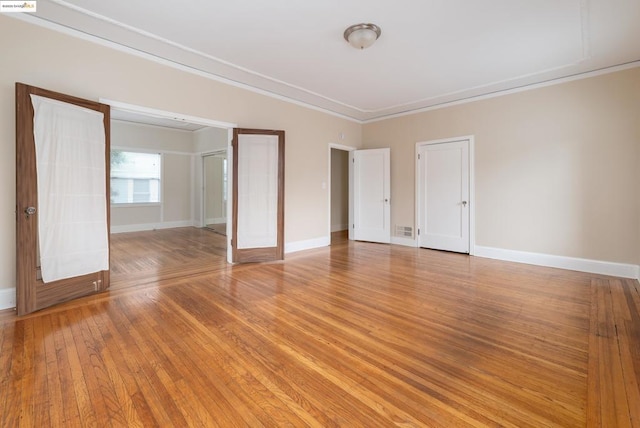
x,y
65,17
504,92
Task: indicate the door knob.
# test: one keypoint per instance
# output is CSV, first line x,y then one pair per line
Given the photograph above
x,y
464,203
30,211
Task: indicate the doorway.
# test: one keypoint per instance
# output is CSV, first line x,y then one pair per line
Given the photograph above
x,y
204,130
214,190
340,189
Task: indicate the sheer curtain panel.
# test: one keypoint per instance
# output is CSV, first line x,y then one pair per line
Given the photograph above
x,y
72,213
258,191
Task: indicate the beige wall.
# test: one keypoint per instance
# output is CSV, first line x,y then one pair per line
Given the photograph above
x,y
65,64
557,169
149,137
176,186
210,139
215,208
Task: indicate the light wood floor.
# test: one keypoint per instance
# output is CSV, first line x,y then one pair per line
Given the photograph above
x,y
220,228
355,334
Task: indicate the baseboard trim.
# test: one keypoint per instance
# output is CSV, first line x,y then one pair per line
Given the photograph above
x,y
406,242
150,226
309,244
571,263
7,298
216,220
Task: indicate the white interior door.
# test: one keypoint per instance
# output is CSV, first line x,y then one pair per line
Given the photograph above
x,y
443,196
371,195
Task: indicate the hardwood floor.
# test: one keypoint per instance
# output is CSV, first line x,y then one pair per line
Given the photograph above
x,y
220,228
355,334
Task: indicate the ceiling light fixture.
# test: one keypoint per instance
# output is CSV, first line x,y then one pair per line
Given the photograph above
x,y
361,36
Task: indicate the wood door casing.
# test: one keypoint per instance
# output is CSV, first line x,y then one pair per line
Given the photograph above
x,y
258,254
32,293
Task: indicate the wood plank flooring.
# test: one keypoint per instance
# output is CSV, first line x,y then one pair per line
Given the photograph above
x,y
355,334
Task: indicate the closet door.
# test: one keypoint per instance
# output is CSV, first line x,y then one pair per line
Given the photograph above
x,y
62,197
258,195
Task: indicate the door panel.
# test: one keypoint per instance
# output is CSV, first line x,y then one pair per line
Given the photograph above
x,y
444,196
31,292
371,194
258,195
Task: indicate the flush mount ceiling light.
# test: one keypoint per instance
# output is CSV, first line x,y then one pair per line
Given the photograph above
x,y
361,36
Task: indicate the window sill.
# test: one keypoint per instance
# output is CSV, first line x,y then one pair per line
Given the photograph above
x,y
137,205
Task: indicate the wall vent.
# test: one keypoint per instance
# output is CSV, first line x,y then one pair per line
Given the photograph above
x,y
404,231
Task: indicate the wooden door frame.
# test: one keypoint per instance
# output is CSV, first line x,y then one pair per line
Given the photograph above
x,y
472,195
32,293
258,254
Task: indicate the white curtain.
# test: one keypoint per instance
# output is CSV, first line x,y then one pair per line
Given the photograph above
x,y
72,209
257,191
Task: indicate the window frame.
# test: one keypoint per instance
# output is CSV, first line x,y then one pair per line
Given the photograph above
x,y
160,179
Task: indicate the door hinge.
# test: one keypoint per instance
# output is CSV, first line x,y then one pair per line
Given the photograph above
x,y
418,231
418,156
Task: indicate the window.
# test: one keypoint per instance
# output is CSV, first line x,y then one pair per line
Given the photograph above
x,y
135,177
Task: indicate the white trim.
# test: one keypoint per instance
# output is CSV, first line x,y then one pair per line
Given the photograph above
x,y
175,65
156,127
152,151
165,114
405,242
472,186
230,162
219,220
7,298
151,226
502,92
350,116
571,263
292,247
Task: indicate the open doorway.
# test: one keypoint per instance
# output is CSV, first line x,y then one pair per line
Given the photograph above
x,y
214,180
167,235
339,195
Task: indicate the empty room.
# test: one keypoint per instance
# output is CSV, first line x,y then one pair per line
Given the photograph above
x,y
320,214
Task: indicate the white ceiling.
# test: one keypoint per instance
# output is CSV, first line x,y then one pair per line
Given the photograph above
x,y
430,52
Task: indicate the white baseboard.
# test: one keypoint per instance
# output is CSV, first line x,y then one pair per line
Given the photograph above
x,y
151,226
216,220
583,265
309,244
339,227
406,242
7,298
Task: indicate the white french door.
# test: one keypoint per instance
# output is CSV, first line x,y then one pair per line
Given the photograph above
x,y
371,195
443,196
